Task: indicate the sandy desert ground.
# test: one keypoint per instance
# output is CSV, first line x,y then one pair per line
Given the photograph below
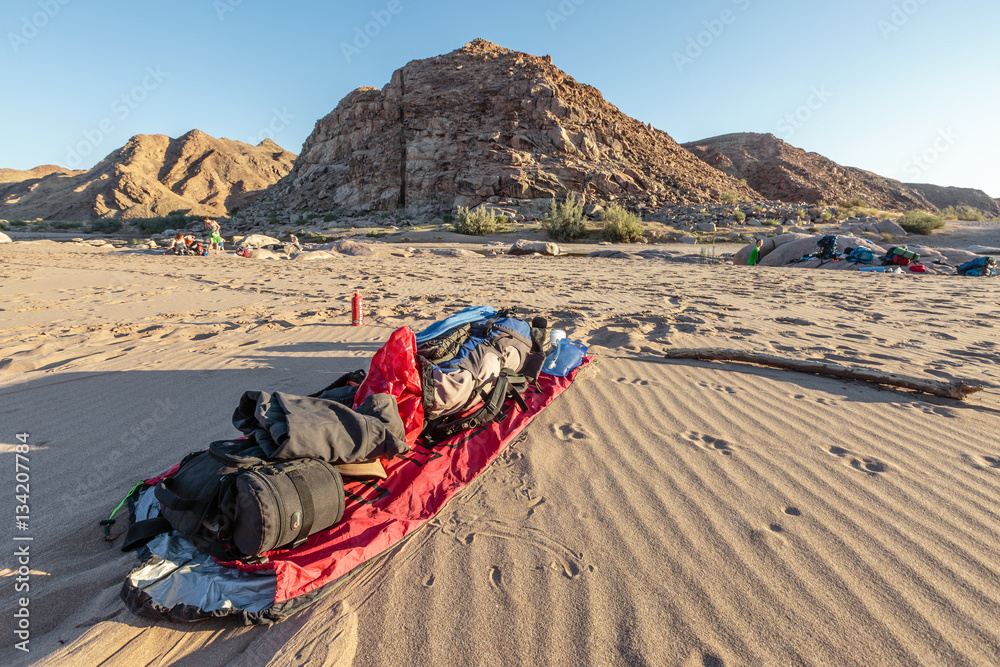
x,y
658,513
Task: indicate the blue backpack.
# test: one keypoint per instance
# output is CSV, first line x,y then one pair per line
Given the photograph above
x,y
862,255
980,266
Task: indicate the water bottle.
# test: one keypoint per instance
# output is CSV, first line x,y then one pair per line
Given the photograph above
x,y
565,357
555,336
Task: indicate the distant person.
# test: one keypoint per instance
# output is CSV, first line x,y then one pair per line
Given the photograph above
x,y
293,244
215,235
755,253
177,246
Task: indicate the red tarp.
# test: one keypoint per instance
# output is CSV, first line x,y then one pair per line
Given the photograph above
x,y
380,514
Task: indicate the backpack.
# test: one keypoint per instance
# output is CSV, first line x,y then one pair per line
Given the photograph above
x,y
862,255
234,505
900,256
470,369
980,266
827,247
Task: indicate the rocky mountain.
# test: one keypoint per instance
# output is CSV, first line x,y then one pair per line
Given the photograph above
x,y
943,197
484,124
783,172
17,176
151,175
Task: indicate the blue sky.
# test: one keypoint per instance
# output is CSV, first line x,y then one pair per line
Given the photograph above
x,y
909,89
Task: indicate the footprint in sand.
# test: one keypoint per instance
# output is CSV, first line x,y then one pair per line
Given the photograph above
x,y
869,465
638,382
496,578
993,461
570,432
710,443
717,387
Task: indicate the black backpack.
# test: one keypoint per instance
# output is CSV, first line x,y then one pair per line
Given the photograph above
x,y
827,247
234,505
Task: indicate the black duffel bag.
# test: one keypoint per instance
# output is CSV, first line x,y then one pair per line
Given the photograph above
x,y
231,503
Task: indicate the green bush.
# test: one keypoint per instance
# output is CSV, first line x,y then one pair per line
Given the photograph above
x,y
620,226
330,217
770,222
68,224
447,217
18,223
857,202
757,208
740,216
729,198
962,213
801,213
104,226
160,224
564,222
478,222
920,222
826,216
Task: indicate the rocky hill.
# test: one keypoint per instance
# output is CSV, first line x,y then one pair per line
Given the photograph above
x,y
484,124
943,197
151,175
17,176
783,172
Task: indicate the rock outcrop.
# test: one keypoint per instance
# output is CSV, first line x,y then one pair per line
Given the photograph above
x,y
487,125
943,197
151,175
781,171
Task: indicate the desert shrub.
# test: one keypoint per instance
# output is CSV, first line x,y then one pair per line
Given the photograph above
x,y
104,226
477,222
620,226
160,224
825,216
801,213
770,222
330,217
18,224
729,198
743,181
962,213
920,222
740,216
757,208
857,202
564,222
447,217
66,224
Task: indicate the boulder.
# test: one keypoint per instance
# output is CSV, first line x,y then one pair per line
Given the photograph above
x,y
889,227
706,227
525,247
456,252
4,238
770,244
313,256
349,247
263,253
258,241
690,240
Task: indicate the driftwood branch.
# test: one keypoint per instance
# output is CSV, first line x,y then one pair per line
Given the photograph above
x,y
957,389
